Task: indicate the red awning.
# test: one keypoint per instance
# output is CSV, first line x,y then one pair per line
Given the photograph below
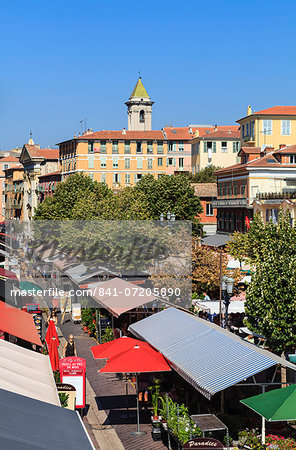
x,y
7,274
18,323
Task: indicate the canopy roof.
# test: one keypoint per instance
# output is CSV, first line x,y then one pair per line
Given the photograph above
x,y
8,274
213,307
82,273
276,405
29,424
18,323
216,240
27,373
120,296
207,356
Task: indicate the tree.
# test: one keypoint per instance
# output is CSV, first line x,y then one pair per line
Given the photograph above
x,y
270,299
206,175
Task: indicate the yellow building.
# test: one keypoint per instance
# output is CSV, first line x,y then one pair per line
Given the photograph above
x,y
216,146
119,157
273,127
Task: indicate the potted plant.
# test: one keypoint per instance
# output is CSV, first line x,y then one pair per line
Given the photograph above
x,y
155,419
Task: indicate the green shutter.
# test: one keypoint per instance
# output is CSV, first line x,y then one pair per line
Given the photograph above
x,y
174,162
205,147
234,147
214,147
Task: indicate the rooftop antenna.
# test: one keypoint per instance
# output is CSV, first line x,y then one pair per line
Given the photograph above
x,y
140,73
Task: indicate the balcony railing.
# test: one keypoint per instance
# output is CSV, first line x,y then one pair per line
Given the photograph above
x,y
248,138
287,193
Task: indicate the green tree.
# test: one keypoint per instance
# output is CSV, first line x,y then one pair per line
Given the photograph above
x,y
270,299
206,175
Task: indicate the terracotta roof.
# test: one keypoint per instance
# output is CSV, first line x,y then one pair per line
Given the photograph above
x,y
118,135
47,153
250,150
182,133
286,150
267,160
278,110
205,189
8,158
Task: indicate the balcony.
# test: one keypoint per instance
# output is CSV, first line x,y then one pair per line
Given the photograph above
x,y
286,193
249,138
231,202
17,205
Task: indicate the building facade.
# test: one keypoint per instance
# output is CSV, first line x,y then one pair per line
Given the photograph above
x,y
262,174
47,185
36,162
14,192
207,193
5,163
275,127
216,146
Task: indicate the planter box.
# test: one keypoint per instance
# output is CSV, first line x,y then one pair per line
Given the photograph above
x,y
174,441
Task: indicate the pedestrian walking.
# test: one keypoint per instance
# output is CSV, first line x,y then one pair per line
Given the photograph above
x,y
70,347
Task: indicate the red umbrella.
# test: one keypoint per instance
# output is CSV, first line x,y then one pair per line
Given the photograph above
x,y
51,332
137,359
113,348
54,354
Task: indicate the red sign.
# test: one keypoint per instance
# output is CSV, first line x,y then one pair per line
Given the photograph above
x,y
73,371
203,443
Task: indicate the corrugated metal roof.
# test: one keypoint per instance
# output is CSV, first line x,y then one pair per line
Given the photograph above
x,y
207,356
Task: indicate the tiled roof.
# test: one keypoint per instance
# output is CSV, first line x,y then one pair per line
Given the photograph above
x,y
47,153
8,159
225,133
205,189
286,150
139,90
250,150
278,110
182,133
48,175
121,135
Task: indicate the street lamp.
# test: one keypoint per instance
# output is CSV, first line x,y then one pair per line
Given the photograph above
x,y
161,217
227,290
168,215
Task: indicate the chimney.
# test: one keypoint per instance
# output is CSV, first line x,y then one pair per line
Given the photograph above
x,y
75,135
215,127
124,131
190,130
196,133
91,130
282,146
269,149
229,131
249,111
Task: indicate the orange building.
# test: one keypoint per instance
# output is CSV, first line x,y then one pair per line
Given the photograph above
x,y
207,193
5,163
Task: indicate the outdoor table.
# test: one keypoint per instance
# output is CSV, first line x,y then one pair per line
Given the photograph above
x,y
209,422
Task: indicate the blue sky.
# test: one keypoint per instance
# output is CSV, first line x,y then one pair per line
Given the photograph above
x,y
201,62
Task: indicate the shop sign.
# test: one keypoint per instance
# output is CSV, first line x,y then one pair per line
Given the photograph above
x,y
203,443
73,371
64,388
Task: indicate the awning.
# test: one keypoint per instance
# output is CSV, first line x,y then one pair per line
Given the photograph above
x,y
8,274
82,273
29,424
18,323
216,240
119,296
27,373
214,307
207,356
64,263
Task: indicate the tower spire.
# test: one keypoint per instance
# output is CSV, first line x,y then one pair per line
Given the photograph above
x,y
139,108
31,142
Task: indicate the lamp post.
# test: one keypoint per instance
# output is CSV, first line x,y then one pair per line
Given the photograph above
x,y
227,290
170,217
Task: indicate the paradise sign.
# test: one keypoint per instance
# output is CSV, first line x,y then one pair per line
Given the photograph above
x,y
203,443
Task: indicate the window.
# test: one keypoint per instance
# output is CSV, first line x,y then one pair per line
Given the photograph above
x,y
243,131
115,147
142,116
91,163
267,127
91,175
224,147
103,147
90,147
150,147
292,159
209,209
181,163
127,178
171,161
252,130
243,191
159,176
286,127
5,166
172,146
139,163
247,126
149,163
103,162
127,163
137,177
103,178
127,147
159,161
115,163
139,147
116,178
181,146
159,147
235,147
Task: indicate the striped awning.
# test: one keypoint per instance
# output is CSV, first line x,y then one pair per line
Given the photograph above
x,y
207,356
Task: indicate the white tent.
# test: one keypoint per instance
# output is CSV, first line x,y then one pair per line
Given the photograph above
x,y
214,307
27,373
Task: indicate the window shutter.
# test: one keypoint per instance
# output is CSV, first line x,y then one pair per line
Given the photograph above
x,y
233,147
114,177
174,162
214,147
205,147
135,178
119,178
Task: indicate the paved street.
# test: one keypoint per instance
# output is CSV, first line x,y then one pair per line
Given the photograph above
x,y
110,395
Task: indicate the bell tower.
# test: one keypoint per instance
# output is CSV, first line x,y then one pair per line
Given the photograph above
x,y
139,109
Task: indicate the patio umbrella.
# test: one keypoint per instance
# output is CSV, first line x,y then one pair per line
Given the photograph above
x,y
51,332
113,348
137,359
275,406
54,354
